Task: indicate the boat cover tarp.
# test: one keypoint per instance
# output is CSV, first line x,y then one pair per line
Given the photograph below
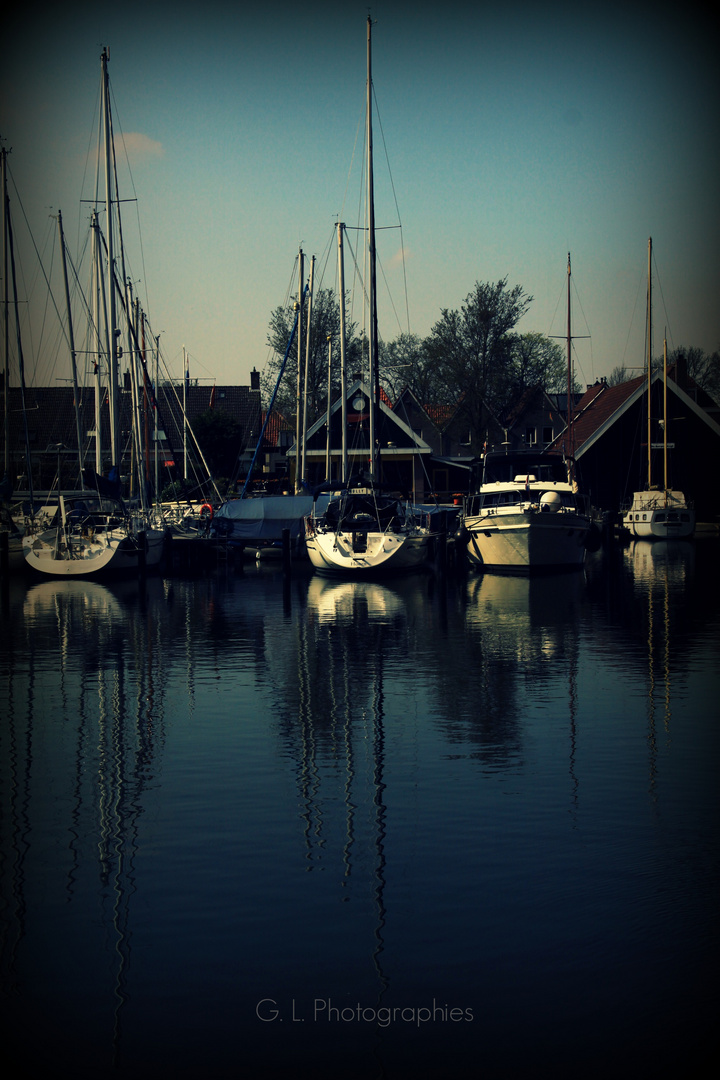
x,y
265,518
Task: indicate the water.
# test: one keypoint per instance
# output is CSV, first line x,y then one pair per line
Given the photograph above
x,y
440,827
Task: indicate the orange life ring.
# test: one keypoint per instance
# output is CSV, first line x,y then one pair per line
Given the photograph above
x,y
209,514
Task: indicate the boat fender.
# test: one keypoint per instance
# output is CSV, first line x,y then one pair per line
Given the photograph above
x,y
206,511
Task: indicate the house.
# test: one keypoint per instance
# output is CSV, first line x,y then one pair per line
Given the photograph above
x,y
447,431
401,449
535,419
54,422
610,434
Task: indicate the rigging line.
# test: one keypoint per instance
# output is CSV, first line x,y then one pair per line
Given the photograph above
x,y
641,280
357,277
389,294
557,305
361,121
95,125
114,115
577,297
662,295
397,209
42,268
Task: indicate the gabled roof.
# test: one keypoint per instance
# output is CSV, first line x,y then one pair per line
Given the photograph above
x,y
436,414
51,420
528,397
276,423
602,405
441,416
419,445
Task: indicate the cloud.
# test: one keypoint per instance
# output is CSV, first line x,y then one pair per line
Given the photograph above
x,y
139,147
402,255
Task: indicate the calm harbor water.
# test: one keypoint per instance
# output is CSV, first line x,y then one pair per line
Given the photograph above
x,y
440,827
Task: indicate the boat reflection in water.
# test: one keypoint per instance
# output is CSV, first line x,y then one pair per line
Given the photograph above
x,y
239,794
83,734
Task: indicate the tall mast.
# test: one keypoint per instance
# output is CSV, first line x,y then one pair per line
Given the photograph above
x,y
373,341
649,362
6,310
97,304
73,355
298,398
307,370
114,387
343,374
328,411
665,436
155,410
571,435
21,361
186,384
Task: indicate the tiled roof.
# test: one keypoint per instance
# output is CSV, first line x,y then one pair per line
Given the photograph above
x,y
598,404
276,424
50,413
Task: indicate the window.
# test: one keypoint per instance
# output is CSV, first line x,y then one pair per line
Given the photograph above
x,y
531,436
548,435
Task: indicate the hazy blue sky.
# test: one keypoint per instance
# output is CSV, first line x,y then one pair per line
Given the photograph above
x,y
514,135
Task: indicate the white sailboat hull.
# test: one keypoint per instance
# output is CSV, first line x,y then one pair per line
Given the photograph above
x,y
344,553
527,539
116,550
660,515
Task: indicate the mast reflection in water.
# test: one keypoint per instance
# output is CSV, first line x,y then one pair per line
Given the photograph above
x,y
437,827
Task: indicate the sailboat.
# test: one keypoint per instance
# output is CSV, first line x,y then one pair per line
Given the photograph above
x,y
658,513
366,529
93,529
12,522
527,513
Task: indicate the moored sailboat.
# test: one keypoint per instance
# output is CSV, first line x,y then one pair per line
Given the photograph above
x,y
657,513
93,530
366,528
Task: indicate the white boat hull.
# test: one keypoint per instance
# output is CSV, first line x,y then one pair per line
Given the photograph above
x,y
333,552
529,540
114,550
661,515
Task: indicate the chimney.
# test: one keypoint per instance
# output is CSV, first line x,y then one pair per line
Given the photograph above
x,y
254,380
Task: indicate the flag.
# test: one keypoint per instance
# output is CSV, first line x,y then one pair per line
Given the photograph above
x,y
212,397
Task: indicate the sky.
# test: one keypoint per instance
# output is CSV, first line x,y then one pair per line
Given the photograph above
x,y
504,140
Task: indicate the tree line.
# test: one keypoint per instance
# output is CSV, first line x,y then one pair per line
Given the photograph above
x,y
472,352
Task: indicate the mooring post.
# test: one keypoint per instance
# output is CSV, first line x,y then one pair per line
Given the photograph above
x,y
286,551
142,560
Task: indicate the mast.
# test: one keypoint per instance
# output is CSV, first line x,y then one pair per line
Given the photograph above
x,y
343,373
6,310
665,437
76,393
649,362
571,430
21,361
328,444
114,387
298,398
98,300
157,390
186,381
307,368
373,340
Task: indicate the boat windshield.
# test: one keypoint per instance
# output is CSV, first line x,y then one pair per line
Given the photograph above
x,y
504,468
